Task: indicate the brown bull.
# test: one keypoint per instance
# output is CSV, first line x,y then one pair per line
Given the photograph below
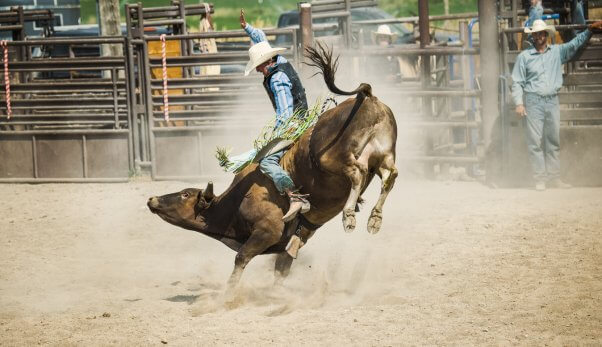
x,y
334,162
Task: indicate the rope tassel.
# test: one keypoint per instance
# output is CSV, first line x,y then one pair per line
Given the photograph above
x,y
165,96
9,111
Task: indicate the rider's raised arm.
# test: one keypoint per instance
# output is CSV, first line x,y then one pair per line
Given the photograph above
x,y
256,35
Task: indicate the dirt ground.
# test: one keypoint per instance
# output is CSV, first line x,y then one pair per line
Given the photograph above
x,y
454,264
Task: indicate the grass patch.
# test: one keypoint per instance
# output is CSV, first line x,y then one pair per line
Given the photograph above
x,y
268,11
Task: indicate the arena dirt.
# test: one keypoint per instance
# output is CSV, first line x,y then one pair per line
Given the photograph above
x,y
454,264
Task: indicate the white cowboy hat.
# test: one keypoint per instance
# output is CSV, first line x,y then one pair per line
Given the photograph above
x,y
540,25
384,30
259,53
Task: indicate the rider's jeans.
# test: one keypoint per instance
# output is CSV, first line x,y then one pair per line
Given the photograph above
x,y
270,166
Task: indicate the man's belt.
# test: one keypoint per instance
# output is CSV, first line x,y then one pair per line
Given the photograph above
x,y
541,96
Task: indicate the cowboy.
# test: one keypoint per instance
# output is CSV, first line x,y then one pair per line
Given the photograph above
x,y
389,68
536,80
287,95
383,36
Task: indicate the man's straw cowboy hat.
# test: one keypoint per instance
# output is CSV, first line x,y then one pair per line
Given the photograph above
x,y
540,25
384,30
259,53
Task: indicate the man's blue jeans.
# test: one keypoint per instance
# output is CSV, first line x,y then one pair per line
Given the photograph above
x,y
542,127
270,166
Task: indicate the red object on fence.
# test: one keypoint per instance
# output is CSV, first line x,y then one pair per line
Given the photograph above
x,y
165,96
9,111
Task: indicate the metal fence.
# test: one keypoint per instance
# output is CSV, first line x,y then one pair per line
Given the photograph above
x,y
68,122
103,118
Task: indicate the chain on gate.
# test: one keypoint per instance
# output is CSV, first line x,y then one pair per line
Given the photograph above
x,y
164,61
9,111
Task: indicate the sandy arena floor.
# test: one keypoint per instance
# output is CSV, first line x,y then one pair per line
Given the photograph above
x,y
455,264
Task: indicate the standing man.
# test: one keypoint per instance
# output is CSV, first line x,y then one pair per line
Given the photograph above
x,y
536,80
287,95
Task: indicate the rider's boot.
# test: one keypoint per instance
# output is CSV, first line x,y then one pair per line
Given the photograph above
x,y
298,202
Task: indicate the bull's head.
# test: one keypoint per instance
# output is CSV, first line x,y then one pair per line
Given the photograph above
x,y
182,208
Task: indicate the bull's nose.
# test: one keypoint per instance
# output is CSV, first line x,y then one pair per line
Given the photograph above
x,y
153,202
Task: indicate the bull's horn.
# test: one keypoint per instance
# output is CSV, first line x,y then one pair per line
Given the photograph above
x,y
208,193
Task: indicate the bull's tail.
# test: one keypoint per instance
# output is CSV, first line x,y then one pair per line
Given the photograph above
x,y
321,57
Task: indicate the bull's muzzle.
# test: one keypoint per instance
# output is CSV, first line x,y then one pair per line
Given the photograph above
x,y
153,203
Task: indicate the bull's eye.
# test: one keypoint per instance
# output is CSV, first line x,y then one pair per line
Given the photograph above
x,y
185,195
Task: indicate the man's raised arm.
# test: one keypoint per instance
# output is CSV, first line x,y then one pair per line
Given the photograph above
x,y
568,50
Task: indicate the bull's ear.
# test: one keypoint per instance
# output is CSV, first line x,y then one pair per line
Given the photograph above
x,y
208,192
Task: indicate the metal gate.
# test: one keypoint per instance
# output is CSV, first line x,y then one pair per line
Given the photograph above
x,y
70,114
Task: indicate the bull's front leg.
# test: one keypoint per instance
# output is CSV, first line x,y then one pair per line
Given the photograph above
x,y
263,236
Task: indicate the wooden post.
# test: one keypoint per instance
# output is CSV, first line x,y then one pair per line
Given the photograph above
x,y
466,83
305,26
111,26
348,24
427,112
490,79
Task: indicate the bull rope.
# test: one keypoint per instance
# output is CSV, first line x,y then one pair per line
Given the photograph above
x,y
164,61
9,110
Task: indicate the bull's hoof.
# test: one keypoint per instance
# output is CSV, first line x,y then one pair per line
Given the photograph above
x,y
375,221
349,220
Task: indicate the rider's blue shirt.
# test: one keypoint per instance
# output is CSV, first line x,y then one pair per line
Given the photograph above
x,y
279,83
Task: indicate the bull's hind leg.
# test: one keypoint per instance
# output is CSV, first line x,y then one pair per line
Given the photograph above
x,y
356,171
387,173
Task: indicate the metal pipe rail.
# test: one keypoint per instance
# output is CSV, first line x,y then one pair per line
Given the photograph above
x,y
12,13
68,40
219,111
250,97
436,123
11,27
235,81
208,59
196,103
334,5
414,19
336,14
64,122
563,27
413,49
316,26
170,11
218,35
440,92
441,159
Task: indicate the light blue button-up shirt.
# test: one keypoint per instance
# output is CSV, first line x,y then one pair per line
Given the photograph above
x,y
280,84
541,73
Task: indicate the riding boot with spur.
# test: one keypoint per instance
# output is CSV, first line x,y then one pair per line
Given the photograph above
x,y
298,202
